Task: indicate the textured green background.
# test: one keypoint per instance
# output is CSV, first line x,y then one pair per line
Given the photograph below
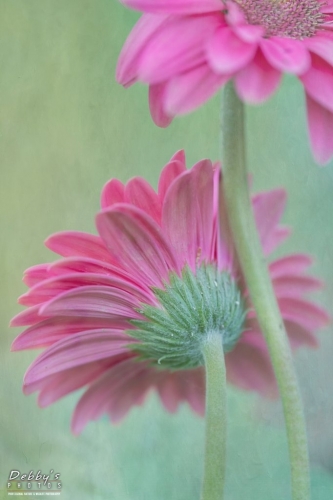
x,y
65,128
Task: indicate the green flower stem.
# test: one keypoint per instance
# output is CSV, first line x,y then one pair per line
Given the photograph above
x,y
216,419
235,187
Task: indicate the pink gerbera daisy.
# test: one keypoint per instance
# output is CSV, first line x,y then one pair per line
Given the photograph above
x,y
123,312
187,49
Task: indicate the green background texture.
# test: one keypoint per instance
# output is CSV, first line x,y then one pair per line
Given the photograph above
x,y
66,127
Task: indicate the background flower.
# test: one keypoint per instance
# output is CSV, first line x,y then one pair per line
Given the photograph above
x,y
80,308
188,49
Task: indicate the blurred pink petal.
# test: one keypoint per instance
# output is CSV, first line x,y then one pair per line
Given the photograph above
x,y
318,83
286,54
113,192
268,210
300,336
321,130
249,366
130,56
187,91
257,81
304,313
59,385
98,397
322,45
168,391
292,264
279,235
295,286
156,105
182,37
35,274
27,317
236,52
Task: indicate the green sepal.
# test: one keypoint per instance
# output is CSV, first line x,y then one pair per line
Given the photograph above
x,y
192,306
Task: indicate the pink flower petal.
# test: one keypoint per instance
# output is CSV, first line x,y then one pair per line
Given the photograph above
x,y
129,393
187,91
130,56
268,209
299,336
176,47
77,350
179,156
320,123
249,367
130,234
192,387
49,331
187,215
169,173
72,265
304,313
169,392
278,236
27,317
322,45
49,389
226,253
318,83
63,383
295,286
249,33
295,264
286,54
93,267
174,6
138,192
113,192
235,15
93,302
60,384
156,105
257,81
97,398
52,287
77,244
227,53
35,274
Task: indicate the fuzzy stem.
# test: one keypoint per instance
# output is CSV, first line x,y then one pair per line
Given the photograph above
x,y
242,222
216,419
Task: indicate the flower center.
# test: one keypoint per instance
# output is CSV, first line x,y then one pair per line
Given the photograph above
x,y
192,306
286,18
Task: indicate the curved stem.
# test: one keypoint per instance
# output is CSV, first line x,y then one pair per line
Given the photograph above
x,y
260,287
216,420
